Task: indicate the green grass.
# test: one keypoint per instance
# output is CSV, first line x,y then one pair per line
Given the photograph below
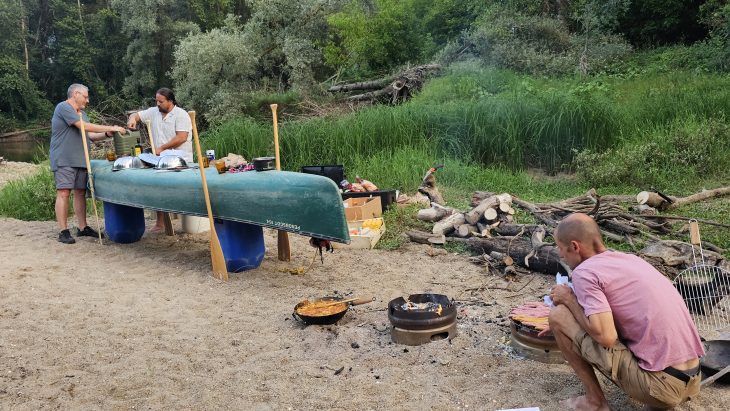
x,y
30,199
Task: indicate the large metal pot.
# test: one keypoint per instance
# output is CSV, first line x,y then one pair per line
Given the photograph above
x,y
717,357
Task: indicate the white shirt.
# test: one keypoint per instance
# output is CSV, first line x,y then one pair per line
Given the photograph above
x,y
165,128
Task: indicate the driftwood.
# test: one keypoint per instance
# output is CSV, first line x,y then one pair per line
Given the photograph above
x,y
393,90
428,186
486,204
545,260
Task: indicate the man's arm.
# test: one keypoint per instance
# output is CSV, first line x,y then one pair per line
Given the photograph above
x,y
98,128
133,120
599,326
180,138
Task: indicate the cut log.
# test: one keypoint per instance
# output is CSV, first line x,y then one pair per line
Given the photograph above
x,y
465,230
435,213
423,237
649,198
505,207
490,215
490,202
446,226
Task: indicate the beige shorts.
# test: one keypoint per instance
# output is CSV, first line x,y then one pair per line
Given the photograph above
x,y
654,388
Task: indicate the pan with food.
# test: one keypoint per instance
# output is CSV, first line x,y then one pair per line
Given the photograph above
x,y
327,310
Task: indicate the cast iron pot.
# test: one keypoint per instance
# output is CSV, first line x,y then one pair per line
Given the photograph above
x,y
264,163
328,319
717,357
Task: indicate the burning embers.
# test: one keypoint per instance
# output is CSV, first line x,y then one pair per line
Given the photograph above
x,y
422,318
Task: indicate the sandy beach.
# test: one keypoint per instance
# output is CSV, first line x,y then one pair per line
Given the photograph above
x,y
145,326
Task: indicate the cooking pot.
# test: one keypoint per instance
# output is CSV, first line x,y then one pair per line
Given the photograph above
x,y
127,162
264,163
717,357
327,310
171,162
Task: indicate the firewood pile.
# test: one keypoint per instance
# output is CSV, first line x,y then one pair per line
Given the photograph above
x,y
490,229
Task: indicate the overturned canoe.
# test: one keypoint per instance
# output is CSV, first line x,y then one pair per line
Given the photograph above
x,y
299,203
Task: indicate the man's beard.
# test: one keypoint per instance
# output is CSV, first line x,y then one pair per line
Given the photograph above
x,y
162,110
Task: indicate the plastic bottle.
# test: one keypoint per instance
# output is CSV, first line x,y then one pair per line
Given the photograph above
x,y
137,150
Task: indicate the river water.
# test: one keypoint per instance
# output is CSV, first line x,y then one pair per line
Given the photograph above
x,y
28,150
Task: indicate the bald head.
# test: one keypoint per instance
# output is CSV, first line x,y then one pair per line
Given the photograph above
x,y
580,228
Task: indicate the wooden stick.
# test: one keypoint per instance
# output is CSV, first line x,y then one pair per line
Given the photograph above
x,y
283,246
216,252
91,176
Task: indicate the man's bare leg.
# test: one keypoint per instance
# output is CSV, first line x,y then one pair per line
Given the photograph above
x,y
564,327
159,223
62,208
80,207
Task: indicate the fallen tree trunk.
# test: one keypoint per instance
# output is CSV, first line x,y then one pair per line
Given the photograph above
x,y
701,196
545,260
435,213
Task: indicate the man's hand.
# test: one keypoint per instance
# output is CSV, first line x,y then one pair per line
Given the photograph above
x,y
132,122
562,294
120,130
545,331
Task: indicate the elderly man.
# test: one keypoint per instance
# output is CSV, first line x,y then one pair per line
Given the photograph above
x,y
625,319
68,161
171,130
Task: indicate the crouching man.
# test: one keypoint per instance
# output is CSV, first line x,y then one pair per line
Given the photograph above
x,y
623,318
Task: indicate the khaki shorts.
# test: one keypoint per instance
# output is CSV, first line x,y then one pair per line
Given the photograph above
x,y
654,388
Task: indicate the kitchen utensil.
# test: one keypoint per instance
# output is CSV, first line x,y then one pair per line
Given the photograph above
x,y
716,362
263,163
333,309
126,162
704,288
171,162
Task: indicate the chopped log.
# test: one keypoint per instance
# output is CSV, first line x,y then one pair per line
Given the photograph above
x,y
435,213
490,202
505,207
446,226
650,199
439,240
490,215
428,186
546,259
422,237
465,230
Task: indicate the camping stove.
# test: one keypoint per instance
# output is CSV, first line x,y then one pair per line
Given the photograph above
x,y
526,342
422,318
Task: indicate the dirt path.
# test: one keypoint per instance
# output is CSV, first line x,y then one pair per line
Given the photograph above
x,y
145,326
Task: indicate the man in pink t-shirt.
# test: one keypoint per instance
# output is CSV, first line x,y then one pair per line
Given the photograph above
x,y
625,319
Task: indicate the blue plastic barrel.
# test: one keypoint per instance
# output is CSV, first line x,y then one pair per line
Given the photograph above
x,y
242,244
123,224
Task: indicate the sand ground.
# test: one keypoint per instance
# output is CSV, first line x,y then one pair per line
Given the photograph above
x,y
145,326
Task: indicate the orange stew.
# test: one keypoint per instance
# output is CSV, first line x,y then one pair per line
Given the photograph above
x,y
320,308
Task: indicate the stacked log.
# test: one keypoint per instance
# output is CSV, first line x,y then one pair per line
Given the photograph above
x,y
488,227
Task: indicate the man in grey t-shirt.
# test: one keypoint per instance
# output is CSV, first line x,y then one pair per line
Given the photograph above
x,y
68,161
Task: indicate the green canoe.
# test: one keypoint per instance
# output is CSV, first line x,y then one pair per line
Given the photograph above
x,y
296,202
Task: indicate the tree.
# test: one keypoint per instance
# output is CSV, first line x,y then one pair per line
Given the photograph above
x,y
155,27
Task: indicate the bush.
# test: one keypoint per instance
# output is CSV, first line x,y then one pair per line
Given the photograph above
x,y
30,199
676,157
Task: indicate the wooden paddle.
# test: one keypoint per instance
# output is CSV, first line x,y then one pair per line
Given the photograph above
x,y
166,220
91,176
216,252
283,237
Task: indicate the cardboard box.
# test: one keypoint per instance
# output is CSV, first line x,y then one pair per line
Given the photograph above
x,y
366,240
362,208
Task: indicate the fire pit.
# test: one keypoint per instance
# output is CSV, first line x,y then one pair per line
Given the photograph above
x,y
526,322
421,318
